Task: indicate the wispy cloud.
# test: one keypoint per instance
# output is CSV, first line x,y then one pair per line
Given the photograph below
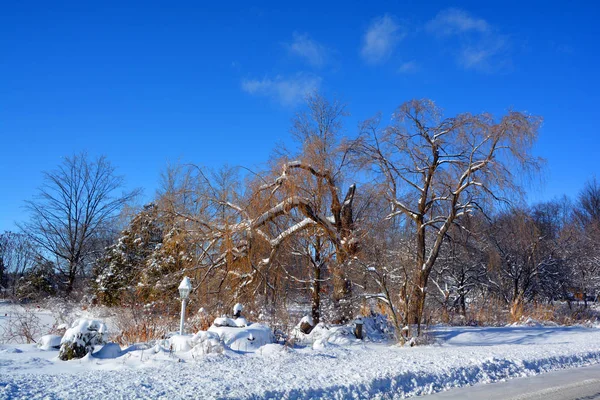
x,y
490,55
453,21
380,39
477,44
409,67
288,91
308,49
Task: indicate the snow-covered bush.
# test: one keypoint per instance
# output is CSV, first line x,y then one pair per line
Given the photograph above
x,y
376,328
180,343
233,323
245,339
199,321
81,338
207,343
235,334
323,336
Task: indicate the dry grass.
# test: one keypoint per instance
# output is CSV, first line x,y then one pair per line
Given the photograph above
x,y
137,325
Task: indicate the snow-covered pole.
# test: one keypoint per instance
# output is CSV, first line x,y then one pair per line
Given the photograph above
x,y
183,304
185,287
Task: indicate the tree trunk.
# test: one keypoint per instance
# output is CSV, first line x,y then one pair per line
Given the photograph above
x,y
445,308
421,274
316,289
417,306
342,292
516,308
70,283
463,305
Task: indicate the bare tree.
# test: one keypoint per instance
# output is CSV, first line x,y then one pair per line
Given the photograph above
x,y
586,228
461,267
310,185
560,244
438,169
588,211
17,256
72,210
299,198
516,260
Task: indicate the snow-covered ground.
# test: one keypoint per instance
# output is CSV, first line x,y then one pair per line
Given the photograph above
x,y
333,369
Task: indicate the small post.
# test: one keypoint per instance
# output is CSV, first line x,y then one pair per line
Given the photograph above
x,y
358,328
237,310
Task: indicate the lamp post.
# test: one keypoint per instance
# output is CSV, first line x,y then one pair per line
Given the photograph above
x,y
185,287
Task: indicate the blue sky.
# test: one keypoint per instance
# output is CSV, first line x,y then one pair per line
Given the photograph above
x,y
148,83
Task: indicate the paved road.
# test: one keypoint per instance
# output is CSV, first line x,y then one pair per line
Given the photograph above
x,y
572,384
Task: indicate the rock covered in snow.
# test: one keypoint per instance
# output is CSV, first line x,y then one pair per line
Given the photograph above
x,y
81,338
49,342
306,324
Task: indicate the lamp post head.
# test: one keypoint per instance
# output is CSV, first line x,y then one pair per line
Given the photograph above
x,y
185,287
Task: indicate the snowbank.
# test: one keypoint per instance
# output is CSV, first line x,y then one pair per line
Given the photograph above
x,y
108,351
181,342
243,339
463,356
221,338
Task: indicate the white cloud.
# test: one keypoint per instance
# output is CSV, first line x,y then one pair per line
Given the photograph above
x,y
380,39
477,44
409,67
310,50
286,91
490,54
454,21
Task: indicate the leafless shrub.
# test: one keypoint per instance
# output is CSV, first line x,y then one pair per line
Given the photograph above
x,y
142,324
23,327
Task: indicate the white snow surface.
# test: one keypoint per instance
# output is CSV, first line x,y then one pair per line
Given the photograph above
x,y
462,356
